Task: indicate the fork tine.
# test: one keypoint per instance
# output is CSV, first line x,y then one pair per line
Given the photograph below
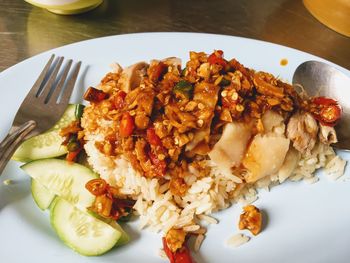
x,y
36,87
70,85
47,88
60,84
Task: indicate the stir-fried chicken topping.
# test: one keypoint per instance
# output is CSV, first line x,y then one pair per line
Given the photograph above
x,y
165,119
251,219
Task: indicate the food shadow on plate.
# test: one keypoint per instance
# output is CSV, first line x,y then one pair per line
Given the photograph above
x,y
196,255
13,187
133,234
265,220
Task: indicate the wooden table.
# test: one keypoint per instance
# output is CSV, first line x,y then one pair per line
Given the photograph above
x,y
26,30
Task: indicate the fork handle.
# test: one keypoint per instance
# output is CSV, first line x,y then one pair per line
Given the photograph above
x,y
11,142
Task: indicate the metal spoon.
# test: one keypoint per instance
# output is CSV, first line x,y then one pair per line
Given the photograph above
x,y
321,79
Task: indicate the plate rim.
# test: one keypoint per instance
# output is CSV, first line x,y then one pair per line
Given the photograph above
x,y
147,34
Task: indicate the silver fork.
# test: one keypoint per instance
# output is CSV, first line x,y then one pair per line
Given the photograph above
x,y
42,107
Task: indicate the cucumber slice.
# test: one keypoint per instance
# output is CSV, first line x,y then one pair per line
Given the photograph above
x,y
41,195
82,232
66,180
48,144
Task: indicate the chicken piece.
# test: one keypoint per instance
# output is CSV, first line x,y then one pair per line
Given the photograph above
x,y
178,186
271,120
145,100
289,164
251,219
302,130
230,149
183,121
262,82
206,96
131,77
173,61
327,134
175,238
265,156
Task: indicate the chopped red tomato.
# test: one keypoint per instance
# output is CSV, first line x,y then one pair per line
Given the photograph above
x,y
182,255
328,111
72,156
96,186
153,138
95,95
217,58
118,100
126,125
159,165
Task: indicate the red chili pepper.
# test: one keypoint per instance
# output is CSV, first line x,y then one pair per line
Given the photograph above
x,y
71,156
94,95
126,125
167,251
152,137
118,100
96,186
217,58
329,111
330,114
324,101
159,165
182,255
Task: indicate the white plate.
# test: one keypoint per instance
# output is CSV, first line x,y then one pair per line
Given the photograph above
x,y
306,223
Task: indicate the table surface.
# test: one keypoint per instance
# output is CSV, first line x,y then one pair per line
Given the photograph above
x,y
26,30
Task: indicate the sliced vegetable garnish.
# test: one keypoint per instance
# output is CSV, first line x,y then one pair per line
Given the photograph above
x,y
79,109
327,111
96,186
107,204
183,88
331,113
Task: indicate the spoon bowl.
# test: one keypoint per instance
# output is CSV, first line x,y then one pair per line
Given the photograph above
x,y
320,79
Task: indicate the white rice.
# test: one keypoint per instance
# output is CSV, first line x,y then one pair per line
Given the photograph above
x,y
198,242
237,240
159,210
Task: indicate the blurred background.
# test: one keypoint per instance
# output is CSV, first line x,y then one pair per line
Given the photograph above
x,y
26,30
